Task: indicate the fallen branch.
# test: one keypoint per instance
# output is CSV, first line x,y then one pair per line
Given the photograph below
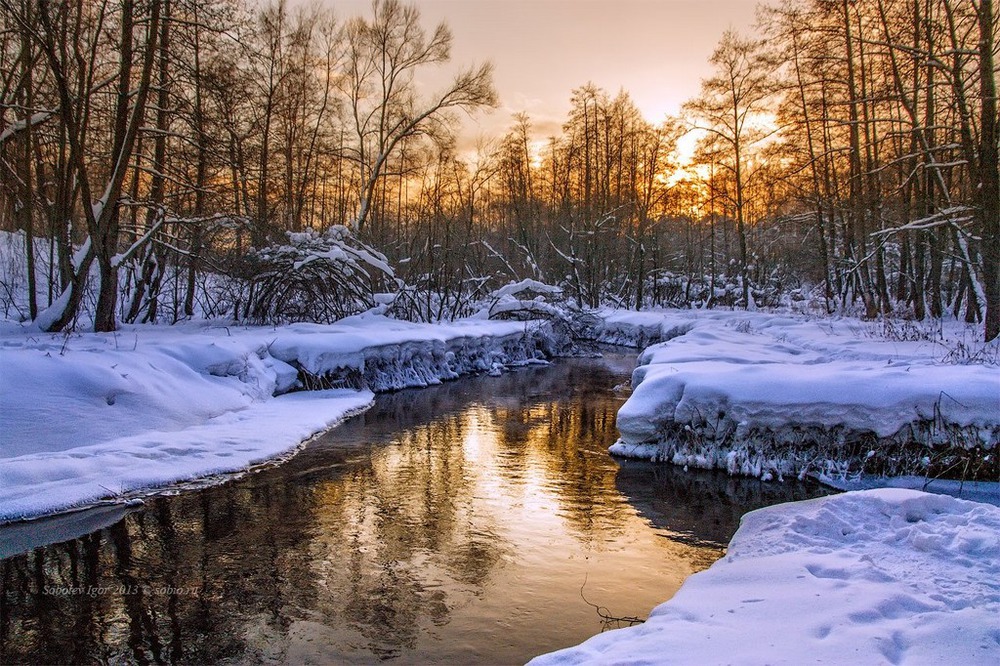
x,y
607,619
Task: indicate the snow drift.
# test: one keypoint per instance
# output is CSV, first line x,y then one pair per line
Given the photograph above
x,y
882,576
769,395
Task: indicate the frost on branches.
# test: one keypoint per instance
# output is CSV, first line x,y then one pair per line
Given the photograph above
x,y
315,277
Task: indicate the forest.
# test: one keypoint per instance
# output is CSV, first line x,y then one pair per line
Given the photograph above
x,y
271,162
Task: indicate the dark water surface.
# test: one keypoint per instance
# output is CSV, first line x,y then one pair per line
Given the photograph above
x,y
455,524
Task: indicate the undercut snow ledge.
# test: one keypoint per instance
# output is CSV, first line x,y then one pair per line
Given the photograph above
x,y
881,576
767,395
387,355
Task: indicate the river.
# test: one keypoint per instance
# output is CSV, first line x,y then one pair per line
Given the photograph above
x,y
480,521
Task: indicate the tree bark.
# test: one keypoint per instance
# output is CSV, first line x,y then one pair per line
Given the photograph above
x,y
989,176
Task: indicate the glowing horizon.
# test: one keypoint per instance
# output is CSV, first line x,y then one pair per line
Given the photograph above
x,y
655,50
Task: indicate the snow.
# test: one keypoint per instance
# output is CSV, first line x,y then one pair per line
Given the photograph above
x,y
885,575
47,317
333,246
881,576
20,125
84,417
538,307
525,299
892,575
46,481
870,576
529,285
975,491
769,395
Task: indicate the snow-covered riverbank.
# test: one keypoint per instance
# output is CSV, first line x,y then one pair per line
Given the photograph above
x,y
883,576
890,575
769,395
91,416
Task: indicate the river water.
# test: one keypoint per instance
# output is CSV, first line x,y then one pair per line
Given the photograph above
x,y
463,523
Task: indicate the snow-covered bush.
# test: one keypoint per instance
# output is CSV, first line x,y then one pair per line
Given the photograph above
x,y
667,288
425,299
520,301
527,299
315,277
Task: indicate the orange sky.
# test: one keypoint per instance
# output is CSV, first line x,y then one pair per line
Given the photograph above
x,y
657,50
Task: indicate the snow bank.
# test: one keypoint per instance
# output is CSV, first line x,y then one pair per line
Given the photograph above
x,y
42,482
90,416
765,395
637,329
882,576
387,354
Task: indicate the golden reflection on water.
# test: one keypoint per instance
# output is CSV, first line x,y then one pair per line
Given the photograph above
x,y
450,525
498,511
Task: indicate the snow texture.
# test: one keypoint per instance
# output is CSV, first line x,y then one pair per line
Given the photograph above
x,y
525,300
85,417
527,285
870,577
765,395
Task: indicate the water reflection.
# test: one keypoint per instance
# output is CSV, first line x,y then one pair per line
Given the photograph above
x,y
454,524
700,507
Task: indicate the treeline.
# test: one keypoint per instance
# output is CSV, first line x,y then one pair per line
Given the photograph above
x,y
888,131
163,139
848,156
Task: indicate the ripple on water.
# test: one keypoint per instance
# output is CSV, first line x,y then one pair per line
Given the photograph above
x,y
455,524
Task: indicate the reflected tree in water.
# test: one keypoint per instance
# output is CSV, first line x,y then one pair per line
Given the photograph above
x,y
487,496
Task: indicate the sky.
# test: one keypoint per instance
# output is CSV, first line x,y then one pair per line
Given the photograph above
x,y
657,50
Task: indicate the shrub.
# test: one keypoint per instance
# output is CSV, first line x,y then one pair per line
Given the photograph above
x,y
315,277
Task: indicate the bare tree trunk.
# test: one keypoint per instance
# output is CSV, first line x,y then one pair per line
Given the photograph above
x,y
814,170
989,176
854,228
27,198
201,175
933,236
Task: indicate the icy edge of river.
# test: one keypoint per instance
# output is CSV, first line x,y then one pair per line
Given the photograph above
x,y
771,395
89,417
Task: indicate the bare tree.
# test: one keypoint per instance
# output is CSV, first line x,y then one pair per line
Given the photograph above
x,y
76,41
730,108
989,177
383,55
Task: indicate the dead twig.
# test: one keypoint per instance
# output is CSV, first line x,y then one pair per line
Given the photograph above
x,y
609,621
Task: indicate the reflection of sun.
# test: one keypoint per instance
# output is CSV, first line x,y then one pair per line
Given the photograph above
x,y
480,451
540,504
472,443
526,494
